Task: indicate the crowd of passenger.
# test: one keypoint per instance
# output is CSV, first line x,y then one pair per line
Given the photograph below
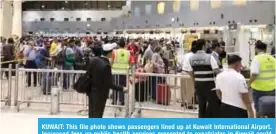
x,y
43,49
203,62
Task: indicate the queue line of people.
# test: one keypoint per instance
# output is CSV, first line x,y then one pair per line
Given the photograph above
x,y
214,97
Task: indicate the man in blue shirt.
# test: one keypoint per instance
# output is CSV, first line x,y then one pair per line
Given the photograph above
x,y
30,55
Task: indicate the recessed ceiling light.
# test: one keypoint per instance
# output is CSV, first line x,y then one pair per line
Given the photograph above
x,y
173,19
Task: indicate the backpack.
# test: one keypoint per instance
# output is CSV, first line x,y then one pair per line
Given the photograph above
x,y
38,59
79,63
61,57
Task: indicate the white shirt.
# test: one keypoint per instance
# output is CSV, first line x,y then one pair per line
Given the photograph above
x,y
186,60
231,84
187,65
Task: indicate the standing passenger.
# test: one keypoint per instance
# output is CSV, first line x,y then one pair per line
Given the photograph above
x,y
262,79
232,89
187,87
217,49
120,64
202,67
101,76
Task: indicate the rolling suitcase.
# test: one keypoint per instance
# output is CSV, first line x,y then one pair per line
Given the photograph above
x,y
163,94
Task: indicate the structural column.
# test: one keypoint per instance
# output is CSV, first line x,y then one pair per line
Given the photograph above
x,y
17,18
5,18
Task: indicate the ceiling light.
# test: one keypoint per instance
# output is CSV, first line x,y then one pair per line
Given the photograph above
x,y
254,29
173,19
88,25
43,6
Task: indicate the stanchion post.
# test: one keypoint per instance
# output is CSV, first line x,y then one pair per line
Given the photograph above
x,y
9,85
54,100
16,85
132,96
127,99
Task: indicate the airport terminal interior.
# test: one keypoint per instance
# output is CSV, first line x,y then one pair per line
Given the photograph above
x,y
38,75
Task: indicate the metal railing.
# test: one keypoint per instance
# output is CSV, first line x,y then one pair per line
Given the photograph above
x,y
52,90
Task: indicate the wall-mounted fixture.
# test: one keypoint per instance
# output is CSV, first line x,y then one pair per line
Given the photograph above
x,y
173,19
192,31
103,19
78,19
206,31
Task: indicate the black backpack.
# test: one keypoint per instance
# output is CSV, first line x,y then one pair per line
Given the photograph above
x,y
61,57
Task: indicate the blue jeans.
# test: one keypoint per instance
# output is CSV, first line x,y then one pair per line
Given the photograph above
x,y
66,77
258,94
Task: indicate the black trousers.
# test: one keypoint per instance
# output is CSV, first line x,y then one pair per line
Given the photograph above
x,y
31,65
96,105
228,111
119,80
209,103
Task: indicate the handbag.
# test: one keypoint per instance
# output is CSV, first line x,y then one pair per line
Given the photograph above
x,y
149,67
83,84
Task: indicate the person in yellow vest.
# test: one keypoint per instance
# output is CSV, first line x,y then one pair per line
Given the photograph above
x,y
120,63
53,47
262,80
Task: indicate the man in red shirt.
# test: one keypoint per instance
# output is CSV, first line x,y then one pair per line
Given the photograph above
x,y
134,51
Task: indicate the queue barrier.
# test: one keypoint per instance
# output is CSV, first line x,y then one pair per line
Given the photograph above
x,y
29,88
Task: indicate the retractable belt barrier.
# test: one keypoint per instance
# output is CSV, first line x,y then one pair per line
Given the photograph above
x,y
51,90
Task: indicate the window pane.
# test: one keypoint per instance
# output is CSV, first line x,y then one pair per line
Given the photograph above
x,y
194,4
148,9
215,3
176,5
239,2
137,11
160,7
